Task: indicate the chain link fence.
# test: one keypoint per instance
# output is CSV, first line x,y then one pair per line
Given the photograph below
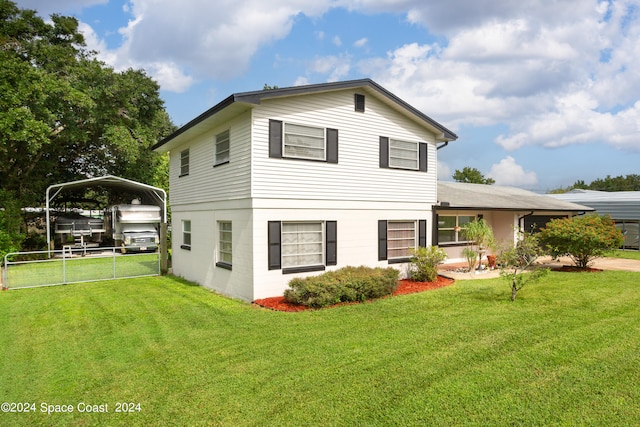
x,y
34,269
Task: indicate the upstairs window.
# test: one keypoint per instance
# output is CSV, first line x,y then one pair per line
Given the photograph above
x,y
398,154
403,154
222,148
304,142
296,141
184,162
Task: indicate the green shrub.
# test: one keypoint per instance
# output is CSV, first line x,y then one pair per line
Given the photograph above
x,y
9,243
347,284
583,238
424,263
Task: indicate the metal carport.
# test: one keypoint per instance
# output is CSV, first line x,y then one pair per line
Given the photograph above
x,y
149,194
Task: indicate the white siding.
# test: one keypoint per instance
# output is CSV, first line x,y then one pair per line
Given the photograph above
x,y
357,175
206,183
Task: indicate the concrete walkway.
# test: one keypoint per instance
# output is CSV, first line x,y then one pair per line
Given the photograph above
x,y
601,263
449,270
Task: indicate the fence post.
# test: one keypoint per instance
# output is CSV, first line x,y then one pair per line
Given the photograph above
x,y
64,264
164,262
5,275
113,257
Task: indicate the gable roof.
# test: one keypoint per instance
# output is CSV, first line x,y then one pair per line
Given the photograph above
x,y
238,102
458,195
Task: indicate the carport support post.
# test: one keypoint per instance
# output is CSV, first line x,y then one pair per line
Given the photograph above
x,y
164,267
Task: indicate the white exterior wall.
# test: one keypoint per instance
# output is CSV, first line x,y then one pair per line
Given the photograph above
x,y
254,189
206,183
199,263
357,236
357,175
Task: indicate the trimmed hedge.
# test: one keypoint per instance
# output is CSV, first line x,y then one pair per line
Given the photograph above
x,y
347,284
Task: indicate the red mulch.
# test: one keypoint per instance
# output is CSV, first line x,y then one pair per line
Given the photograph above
x,y
404,287
576,269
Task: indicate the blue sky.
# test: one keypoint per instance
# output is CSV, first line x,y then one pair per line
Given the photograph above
x,y
540,93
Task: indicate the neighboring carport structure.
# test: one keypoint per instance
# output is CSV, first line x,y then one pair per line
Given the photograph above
x,y
505,209
147,194
622,206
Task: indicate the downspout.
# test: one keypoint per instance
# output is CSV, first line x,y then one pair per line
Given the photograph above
x,y
520,224
443,145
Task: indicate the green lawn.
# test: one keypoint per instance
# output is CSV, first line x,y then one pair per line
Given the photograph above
x,y
626,254
565,353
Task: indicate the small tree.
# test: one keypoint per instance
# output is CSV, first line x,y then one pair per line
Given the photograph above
x,y
424,263
480,234
582,238
471,256
517,263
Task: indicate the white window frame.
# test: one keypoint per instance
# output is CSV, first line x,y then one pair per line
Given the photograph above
x,y
400,154
290,256
184,162
222,156
290,133
391,239
457,228
186,234
225,243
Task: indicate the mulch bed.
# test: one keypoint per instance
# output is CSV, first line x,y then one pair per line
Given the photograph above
x,y
576,269
404,287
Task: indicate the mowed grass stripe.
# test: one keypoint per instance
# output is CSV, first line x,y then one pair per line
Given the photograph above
x,y
564,353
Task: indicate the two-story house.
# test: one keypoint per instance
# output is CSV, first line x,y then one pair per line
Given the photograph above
x,y
273,184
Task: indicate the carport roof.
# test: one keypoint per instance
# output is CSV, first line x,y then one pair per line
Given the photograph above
x,y
458,195
151,193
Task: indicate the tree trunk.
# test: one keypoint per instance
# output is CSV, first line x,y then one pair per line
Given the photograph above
x,y
514,291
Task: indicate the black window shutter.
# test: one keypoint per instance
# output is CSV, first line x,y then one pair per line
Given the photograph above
x,y
384,152
434,233
382,240
332,243
423,156
275,138
359,102
274,245
332,145
422,233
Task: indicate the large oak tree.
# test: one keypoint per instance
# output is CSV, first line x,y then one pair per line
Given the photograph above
x,y
65,115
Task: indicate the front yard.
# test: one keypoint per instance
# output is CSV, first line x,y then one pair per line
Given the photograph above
x,y
565,353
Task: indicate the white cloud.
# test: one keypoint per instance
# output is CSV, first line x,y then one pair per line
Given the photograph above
x,y
301,81
508,172
336,67
535,66
556,73
170,76
183,42
361,42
